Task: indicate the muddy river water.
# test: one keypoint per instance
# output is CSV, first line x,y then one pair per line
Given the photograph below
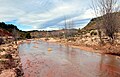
x,y
43,59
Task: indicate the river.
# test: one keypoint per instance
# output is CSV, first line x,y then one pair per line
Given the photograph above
x,y
43,59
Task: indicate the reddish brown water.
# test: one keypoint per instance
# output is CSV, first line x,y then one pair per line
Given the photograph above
x,y
65,61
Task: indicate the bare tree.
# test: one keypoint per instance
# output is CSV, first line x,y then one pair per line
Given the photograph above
x,y
71,26
68,25
65,28
107,9
94,7
15,35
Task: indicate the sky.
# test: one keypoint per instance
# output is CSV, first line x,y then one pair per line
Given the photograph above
x,y
45,14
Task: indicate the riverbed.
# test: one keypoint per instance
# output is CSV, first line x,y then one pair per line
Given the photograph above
x,y
44,59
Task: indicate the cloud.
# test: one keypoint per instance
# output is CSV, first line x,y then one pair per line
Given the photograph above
x,y
44,14
7,14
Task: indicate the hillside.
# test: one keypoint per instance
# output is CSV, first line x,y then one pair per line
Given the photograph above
x,y
6,29
12,30
4,33
92,24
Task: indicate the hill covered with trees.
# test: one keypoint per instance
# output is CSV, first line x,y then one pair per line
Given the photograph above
x,y
12,30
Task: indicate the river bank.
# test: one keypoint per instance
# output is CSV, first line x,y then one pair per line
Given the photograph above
x,y
10,64
104,49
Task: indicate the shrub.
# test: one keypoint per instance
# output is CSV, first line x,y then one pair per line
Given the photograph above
x,y
1,41
93,33
7,56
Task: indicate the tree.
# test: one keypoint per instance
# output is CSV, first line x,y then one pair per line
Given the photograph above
x,y
28,36
15,35
65,28
107,9
68,26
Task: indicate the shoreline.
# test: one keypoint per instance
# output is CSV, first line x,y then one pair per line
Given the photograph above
x,y
85,48
107,49
10,63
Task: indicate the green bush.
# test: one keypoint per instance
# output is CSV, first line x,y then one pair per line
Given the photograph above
x,y
28,36
7,56
93,33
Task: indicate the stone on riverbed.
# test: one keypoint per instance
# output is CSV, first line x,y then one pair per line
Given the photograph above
x,y
8,73
3,53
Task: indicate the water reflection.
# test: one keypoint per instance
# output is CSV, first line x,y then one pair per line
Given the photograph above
x,y
109,67
65,61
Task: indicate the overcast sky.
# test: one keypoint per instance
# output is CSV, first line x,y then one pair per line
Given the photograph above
x,y
45,14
